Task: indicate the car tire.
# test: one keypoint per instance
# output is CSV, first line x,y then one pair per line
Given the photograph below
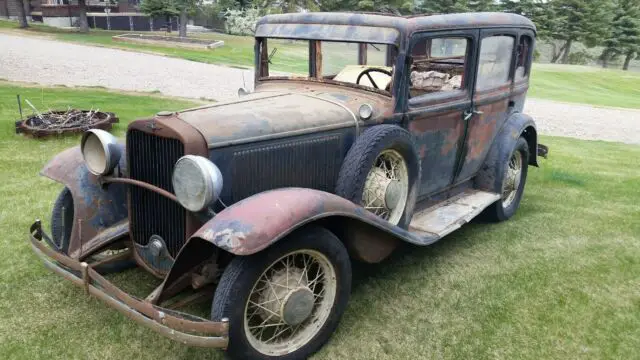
x,y
62,220
363,161
496,169
244,274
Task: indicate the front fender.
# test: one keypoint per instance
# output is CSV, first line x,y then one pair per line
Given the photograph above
x,y
262,219
256,222
96,208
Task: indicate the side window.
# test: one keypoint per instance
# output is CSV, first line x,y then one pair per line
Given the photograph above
x,y
495,61
522,64
438,66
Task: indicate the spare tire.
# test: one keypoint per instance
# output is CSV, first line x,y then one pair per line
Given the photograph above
x,y
62,220
381,172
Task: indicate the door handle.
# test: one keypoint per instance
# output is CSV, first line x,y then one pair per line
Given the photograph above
x,y
469,114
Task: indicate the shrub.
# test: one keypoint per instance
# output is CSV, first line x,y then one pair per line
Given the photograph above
x,y
241,22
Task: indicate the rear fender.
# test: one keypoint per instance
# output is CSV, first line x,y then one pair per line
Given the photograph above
x,y
519,124
100,213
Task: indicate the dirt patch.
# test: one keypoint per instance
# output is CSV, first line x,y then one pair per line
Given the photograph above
x,y
191,43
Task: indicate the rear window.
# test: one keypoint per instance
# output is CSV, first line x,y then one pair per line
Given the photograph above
x,y
495,61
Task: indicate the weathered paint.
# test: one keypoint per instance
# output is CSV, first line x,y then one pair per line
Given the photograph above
x,y
260,117
406,25
437,135
96,208
256,222
517,125
330,32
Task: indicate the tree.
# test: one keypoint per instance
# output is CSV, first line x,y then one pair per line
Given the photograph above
x,y
159,8
445,6
624,38
185,7
391,6
83,23
578,21
22,13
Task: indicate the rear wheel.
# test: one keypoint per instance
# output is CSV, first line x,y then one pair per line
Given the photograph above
x,y
286,301
512,171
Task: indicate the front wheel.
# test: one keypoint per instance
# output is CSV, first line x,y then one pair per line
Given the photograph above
x,y
286,301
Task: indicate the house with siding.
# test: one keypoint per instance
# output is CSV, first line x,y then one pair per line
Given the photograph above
x,y
102,14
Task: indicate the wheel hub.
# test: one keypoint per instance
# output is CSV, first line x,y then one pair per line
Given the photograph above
x,y
381,192
297,306
289,297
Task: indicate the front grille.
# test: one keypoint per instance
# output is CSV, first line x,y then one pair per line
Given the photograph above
x,y
151,159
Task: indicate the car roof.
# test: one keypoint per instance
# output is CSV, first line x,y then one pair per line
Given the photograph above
x,y
405,24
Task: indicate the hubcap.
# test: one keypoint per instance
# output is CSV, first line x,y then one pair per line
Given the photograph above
x,y
512,178
290,302
386,188
297,306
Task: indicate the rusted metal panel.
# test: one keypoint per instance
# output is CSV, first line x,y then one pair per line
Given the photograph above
x,y
448,216
405,25
350,97
437,137
96,209
483,127
256,222
259,117
330,32
172,324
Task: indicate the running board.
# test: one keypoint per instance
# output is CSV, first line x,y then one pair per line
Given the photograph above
x,y
442,219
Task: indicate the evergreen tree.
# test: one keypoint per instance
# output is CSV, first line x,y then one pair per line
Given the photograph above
x,y
624,38
445,6
579,20
159,8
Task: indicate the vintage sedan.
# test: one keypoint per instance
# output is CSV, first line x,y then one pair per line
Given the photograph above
x,y
363,131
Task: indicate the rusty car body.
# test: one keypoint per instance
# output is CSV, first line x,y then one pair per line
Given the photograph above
x,y
417,132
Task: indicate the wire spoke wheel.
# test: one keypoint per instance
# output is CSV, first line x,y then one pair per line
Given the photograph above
x,y
512,178
290,302
386,188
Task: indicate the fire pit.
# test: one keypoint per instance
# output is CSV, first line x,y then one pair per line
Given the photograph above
x,y
61,122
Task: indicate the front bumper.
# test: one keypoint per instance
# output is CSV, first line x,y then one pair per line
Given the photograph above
x,y
187,329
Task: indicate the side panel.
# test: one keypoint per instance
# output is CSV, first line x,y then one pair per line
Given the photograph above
x,y
309,161
95,208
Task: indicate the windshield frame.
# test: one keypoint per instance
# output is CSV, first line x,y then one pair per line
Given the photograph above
x,y
314,73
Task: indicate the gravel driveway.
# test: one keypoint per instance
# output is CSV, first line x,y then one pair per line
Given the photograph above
x,y
57,63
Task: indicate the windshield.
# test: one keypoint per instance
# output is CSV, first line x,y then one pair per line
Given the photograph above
x,y
364,64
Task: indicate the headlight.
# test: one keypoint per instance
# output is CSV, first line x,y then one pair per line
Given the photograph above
x,y
197,182
100,151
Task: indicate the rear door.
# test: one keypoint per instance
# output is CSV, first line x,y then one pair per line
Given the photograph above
x,y
491,98
440,72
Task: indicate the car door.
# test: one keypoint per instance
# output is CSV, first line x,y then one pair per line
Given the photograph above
x,y
440,71
491,98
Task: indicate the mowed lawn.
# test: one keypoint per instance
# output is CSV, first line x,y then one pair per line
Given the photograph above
x,y
561,280
576,84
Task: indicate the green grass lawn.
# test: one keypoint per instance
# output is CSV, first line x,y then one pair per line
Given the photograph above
x,y
561,280
577,84
588,85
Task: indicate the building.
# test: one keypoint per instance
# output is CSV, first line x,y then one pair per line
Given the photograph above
x,y
101,14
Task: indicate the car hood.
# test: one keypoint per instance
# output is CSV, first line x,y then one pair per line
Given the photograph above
x,y
268,115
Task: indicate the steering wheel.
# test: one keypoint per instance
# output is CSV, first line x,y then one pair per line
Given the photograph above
x,y
370,70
